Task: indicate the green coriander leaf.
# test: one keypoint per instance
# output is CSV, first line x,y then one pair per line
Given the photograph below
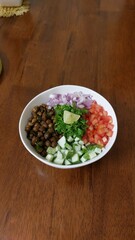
x,y
76,129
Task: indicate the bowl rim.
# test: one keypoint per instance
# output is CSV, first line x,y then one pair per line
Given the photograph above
x,y
72,166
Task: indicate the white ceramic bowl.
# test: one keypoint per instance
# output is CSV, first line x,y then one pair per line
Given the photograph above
x,y
43,98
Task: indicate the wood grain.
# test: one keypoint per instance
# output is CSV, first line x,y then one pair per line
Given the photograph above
x,y
89,43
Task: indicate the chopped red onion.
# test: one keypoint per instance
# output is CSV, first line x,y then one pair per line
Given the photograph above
x,y
82,100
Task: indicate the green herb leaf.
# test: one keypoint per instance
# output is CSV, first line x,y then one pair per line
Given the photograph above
x,y
76,129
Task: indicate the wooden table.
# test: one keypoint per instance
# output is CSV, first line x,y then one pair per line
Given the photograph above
x,y
89,43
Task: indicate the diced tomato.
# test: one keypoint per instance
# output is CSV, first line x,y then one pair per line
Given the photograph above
x,y
100,127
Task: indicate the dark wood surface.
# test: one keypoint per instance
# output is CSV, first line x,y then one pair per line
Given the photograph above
x,y
89,43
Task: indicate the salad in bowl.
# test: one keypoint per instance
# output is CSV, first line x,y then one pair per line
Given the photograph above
x,y
68,126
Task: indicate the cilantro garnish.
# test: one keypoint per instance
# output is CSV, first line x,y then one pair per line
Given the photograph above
x,y
76,129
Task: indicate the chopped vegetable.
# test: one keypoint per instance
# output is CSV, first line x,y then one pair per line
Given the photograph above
x,y
82,100
76,129
62,142
72,152
99,125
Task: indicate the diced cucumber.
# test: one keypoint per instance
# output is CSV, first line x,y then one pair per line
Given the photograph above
x,y
72,151
64,152
86,156
62,142
59,158
58,148
83,159
68,146
49,157
98,150
58,161
51,150
77,148
75,158
70,154
59,155
92,154
80,153
70,139
84,150
55,155
81,142
67,162
77,139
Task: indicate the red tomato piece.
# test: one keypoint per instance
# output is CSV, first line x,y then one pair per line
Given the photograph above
x,y
100,127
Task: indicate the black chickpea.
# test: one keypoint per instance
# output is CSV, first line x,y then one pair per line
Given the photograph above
x,y
53,144
47,143
52,139
50,130
34,140
48,121
35,109
39,134
41,129
43,116
46,135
